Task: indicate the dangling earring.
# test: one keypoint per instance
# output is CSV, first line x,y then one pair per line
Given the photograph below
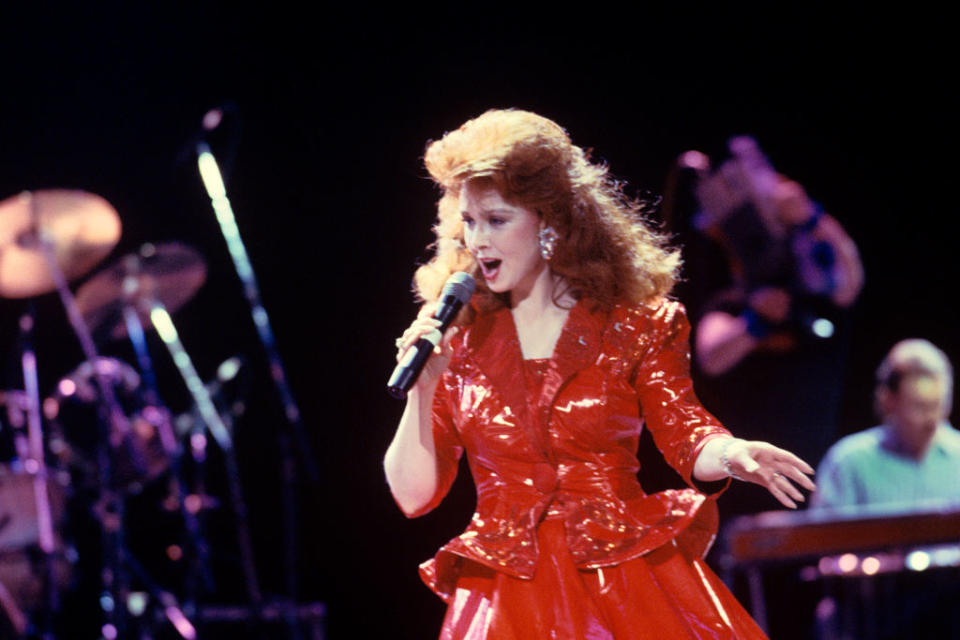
x,y
548,242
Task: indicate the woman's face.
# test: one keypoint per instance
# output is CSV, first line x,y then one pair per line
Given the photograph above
x,y
503,237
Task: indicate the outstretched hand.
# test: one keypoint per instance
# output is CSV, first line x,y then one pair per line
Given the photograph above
x,y
772,467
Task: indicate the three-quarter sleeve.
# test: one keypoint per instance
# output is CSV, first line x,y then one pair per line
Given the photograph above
x,y
678,422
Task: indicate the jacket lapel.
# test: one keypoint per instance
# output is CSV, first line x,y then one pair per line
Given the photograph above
x,y
493,343
492,340
580,340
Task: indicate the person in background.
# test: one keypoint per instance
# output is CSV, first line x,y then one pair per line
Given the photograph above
x,y
913,457
789,259
770,277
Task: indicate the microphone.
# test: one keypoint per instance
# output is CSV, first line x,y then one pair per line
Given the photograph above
x,y
456,292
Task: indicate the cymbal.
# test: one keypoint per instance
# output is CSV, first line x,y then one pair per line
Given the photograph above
x,y
81,228
168,273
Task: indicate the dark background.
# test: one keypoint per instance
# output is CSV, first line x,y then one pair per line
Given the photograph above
x,y
328,114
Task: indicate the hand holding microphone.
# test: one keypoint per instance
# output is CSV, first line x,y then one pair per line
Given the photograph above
x,y
426,333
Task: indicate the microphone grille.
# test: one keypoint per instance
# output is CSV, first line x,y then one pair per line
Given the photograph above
x,y
459,285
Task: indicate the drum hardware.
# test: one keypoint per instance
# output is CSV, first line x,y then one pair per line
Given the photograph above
x,y
217,426
141,455
120,296
16,445
15,618
140,291
226,391
117,301
51,238
24,577
79,228
49,227
31,558
48,238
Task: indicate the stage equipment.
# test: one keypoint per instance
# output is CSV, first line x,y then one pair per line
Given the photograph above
x,y
848,551
26,586
47,238
217,192
169,274
78,228
137,292
140,456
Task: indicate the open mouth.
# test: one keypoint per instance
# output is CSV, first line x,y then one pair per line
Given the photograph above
x,y
490,268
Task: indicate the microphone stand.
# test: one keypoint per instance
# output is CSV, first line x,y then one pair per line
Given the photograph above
x,y
216,190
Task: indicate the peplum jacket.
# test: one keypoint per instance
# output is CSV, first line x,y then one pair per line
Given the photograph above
x,y
571,453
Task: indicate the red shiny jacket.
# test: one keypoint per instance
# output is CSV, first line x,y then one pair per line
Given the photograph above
x,y
571,452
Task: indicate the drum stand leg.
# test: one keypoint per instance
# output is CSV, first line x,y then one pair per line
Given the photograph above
x,y
215,424
35,466
119,563
12,613
199,569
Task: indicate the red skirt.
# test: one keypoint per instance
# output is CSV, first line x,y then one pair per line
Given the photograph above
x,y
658,595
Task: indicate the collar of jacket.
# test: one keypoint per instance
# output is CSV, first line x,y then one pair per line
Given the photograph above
x,y
492,342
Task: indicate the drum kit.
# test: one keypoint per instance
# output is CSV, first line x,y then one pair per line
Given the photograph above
x,y
103,433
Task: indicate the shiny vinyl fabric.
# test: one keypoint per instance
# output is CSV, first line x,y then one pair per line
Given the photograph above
x,y
661,595
555,441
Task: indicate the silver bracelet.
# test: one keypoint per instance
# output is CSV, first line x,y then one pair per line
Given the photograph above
x,y
726,462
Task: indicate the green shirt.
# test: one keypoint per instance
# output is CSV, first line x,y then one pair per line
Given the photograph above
x,y
864,468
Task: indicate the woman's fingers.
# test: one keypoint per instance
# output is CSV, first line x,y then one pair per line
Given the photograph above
x,y
782,497
799,476
424,324
780,471
781,456
773,478
781,482
419,328
786,457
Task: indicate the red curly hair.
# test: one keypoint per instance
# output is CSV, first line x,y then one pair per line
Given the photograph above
x,y
606,249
